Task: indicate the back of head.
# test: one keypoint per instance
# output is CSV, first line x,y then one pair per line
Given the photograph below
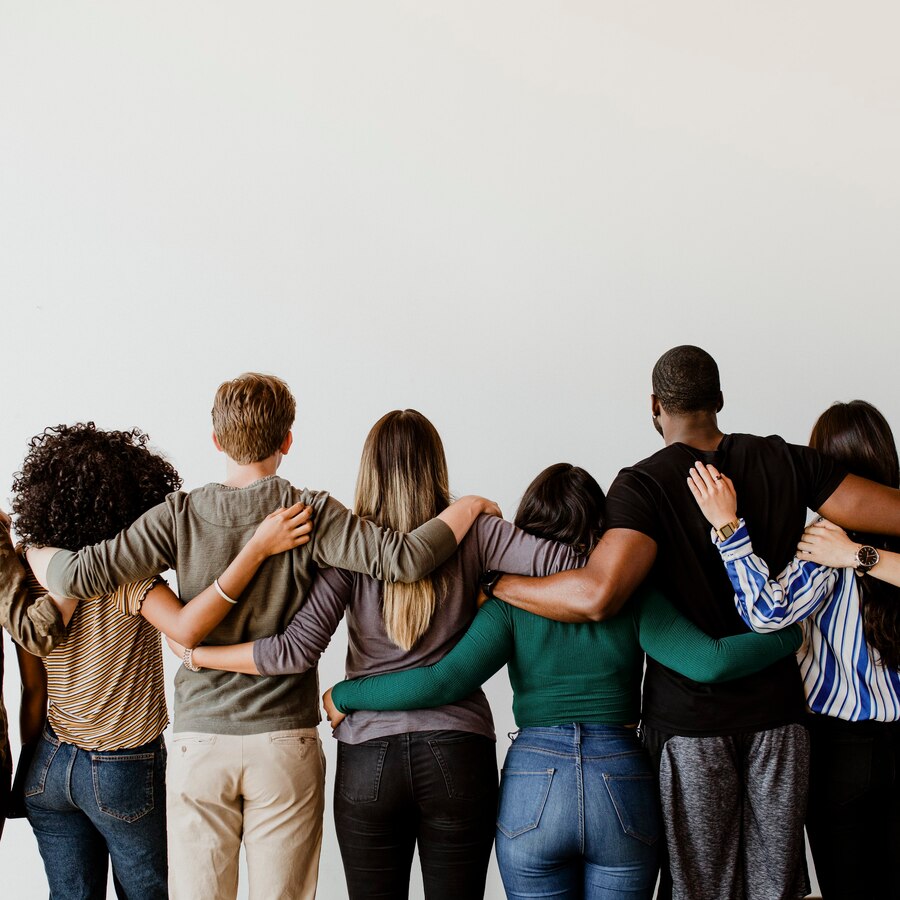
x,y
80,485
252,415
858,435
686,380
564,503
403,483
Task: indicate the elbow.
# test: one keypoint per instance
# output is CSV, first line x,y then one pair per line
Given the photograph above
x,y
189,638
598,601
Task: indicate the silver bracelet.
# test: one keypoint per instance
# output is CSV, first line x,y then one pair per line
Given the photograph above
x,y
187,658
222,593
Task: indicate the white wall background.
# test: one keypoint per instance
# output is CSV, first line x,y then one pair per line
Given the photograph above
x,y
498,213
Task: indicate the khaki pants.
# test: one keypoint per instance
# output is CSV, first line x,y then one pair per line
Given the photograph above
x,y
267,789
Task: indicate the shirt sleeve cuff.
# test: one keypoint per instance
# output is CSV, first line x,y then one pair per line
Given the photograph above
x,y
736,546
336,693
56,573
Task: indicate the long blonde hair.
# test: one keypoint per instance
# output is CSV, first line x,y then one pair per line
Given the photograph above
x,y
403,483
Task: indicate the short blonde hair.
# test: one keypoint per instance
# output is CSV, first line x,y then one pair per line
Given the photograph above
x,y
252,415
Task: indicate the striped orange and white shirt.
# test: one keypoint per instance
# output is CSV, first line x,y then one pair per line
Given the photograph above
x,y
105,681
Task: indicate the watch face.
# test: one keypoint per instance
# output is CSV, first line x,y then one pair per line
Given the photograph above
x,y
867,557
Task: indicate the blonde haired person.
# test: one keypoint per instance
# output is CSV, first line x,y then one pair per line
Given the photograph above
x,y
426,777
246,765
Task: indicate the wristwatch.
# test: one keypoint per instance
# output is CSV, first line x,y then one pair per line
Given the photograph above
x,y
489,581
866,558
727,530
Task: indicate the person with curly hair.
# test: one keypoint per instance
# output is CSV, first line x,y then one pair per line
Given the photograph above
x,y
96,784
247,767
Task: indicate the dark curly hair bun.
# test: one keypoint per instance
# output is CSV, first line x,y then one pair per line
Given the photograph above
x,y
80,485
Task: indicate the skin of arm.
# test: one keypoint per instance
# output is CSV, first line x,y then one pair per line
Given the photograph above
x,y
301,644
677,643
484,649
461,515
346,541
33,710
618,564
861,505
35,623
825,544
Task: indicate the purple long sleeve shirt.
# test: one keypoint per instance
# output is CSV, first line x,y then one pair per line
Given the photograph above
x,y
492,543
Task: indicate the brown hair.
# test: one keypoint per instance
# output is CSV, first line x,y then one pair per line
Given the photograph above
x,y
858,435
402,484
252,415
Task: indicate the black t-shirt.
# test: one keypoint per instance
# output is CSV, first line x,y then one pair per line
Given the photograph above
x,y
776,482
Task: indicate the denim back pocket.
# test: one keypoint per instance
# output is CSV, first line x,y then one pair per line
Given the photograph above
x,y
636,802
123,785
522,799
43,758
468,763
359,770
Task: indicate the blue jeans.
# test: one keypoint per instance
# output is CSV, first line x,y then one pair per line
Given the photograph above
x,y
579,815
89,806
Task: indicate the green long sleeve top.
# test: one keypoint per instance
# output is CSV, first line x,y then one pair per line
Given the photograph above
x,y
563,673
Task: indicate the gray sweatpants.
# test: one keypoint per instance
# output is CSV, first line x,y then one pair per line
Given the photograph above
x,y
734,807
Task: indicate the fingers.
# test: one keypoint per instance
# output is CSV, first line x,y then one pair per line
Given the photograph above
x,y
706,480
825,525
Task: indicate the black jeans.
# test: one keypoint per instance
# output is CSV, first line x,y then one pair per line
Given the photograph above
x,y
853,818
437,788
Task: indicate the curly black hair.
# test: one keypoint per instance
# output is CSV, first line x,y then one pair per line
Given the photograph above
x,y
80,485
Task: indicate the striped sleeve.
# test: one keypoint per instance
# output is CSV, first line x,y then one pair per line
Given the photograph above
x,y
766,603
129,598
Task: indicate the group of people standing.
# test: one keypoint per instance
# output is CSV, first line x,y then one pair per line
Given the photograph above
x,y
699,557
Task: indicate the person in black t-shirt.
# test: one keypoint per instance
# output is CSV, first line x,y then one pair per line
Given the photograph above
x,y
733,756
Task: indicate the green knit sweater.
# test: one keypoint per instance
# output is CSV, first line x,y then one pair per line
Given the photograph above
x,y
563,673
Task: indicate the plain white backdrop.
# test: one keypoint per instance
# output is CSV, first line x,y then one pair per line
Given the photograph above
x,y
497,213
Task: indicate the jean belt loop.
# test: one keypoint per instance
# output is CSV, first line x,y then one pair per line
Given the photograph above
x,y
578,734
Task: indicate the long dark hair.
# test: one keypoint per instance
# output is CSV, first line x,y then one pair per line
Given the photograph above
x,y
858,435
564,503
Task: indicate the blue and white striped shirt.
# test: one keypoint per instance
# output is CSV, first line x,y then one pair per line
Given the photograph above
x,y
842,676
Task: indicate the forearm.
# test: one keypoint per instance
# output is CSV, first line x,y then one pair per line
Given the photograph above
x,y
191,622
460,516
888,568
677,643
33,708
34,622
346,541
618,564
482,651
142,550
862,505
765,603
232,658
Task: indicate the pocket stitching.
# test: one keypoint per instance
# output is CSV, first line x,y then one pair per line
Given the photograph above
x,y
97,760
379,767
644,838
545,774
38,789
